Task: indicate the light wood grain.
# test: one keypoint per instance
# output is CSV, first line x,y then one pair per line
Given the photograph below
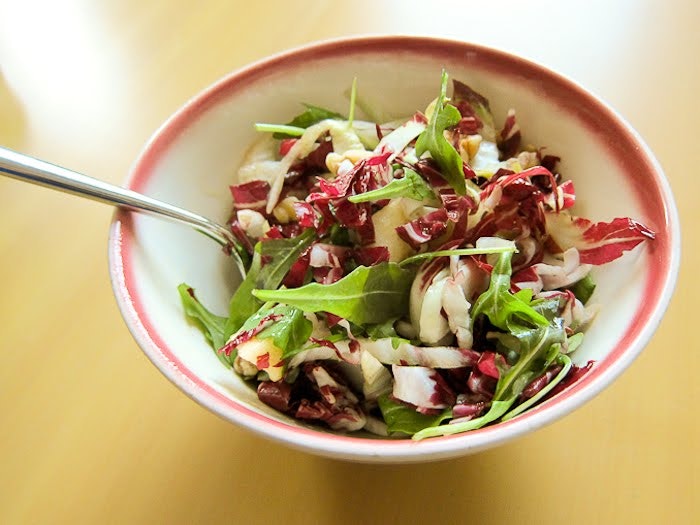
x,y
90,432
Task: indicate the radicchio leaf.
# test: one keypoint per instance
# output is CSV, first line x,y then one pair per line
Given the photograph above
x,y
336,404
422,387
276,394
563,198
516,207
474,106
574,375
424,229
597,243
509,137
371,255
250,195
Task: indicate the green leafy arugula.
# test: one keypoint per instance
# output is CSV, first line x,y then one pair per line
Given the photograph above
x,y
211,325
288,332
279,256
405,419
549,307
353,100
584,288
421,257
498,408
433,141
382,330
366,295
566,363
513,313
281,130
411,185
312,115
538,349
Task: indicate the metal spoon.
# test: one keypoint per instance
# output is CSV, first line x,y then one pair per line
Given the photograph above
x,y
30,169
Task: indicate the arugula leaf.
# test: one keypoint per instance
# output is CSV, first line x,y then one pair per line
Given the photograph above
x,y
584,288
289,332
497,409
411,185
286,131
243,304
279,256
211,325
404,419
433,141
538,347
312,115
566,363
504,309
514,314
353,97
524,295
373,115
573,342
382,330
366,295
457,251
548,307
339,235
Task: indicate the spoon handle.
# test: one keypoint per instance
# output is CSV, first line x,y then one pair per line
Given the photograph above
x,y
35,171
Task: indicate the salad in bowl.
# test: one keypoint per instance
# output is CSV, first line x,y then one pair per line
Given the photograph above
x,y
409,278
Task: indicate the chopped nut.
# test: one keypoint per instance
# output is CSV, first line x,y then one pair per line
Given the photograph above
x,y
469,146
284,211
522,161
528,159
245,368
356,155
334,160
253,222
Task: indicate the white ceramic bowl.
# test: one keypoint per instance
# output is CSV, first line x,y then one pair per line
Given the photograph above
x,y
193,157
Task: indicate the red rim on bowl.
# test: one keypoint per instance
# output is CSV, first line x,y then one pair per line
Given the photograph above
x,y
655,200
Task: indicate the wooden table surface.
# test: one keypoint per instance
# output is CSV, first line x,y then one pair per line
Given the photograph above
x,y
91,432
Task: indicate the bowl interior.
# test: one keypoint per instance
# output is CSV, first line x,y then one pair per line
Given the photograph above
x,y
193,158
